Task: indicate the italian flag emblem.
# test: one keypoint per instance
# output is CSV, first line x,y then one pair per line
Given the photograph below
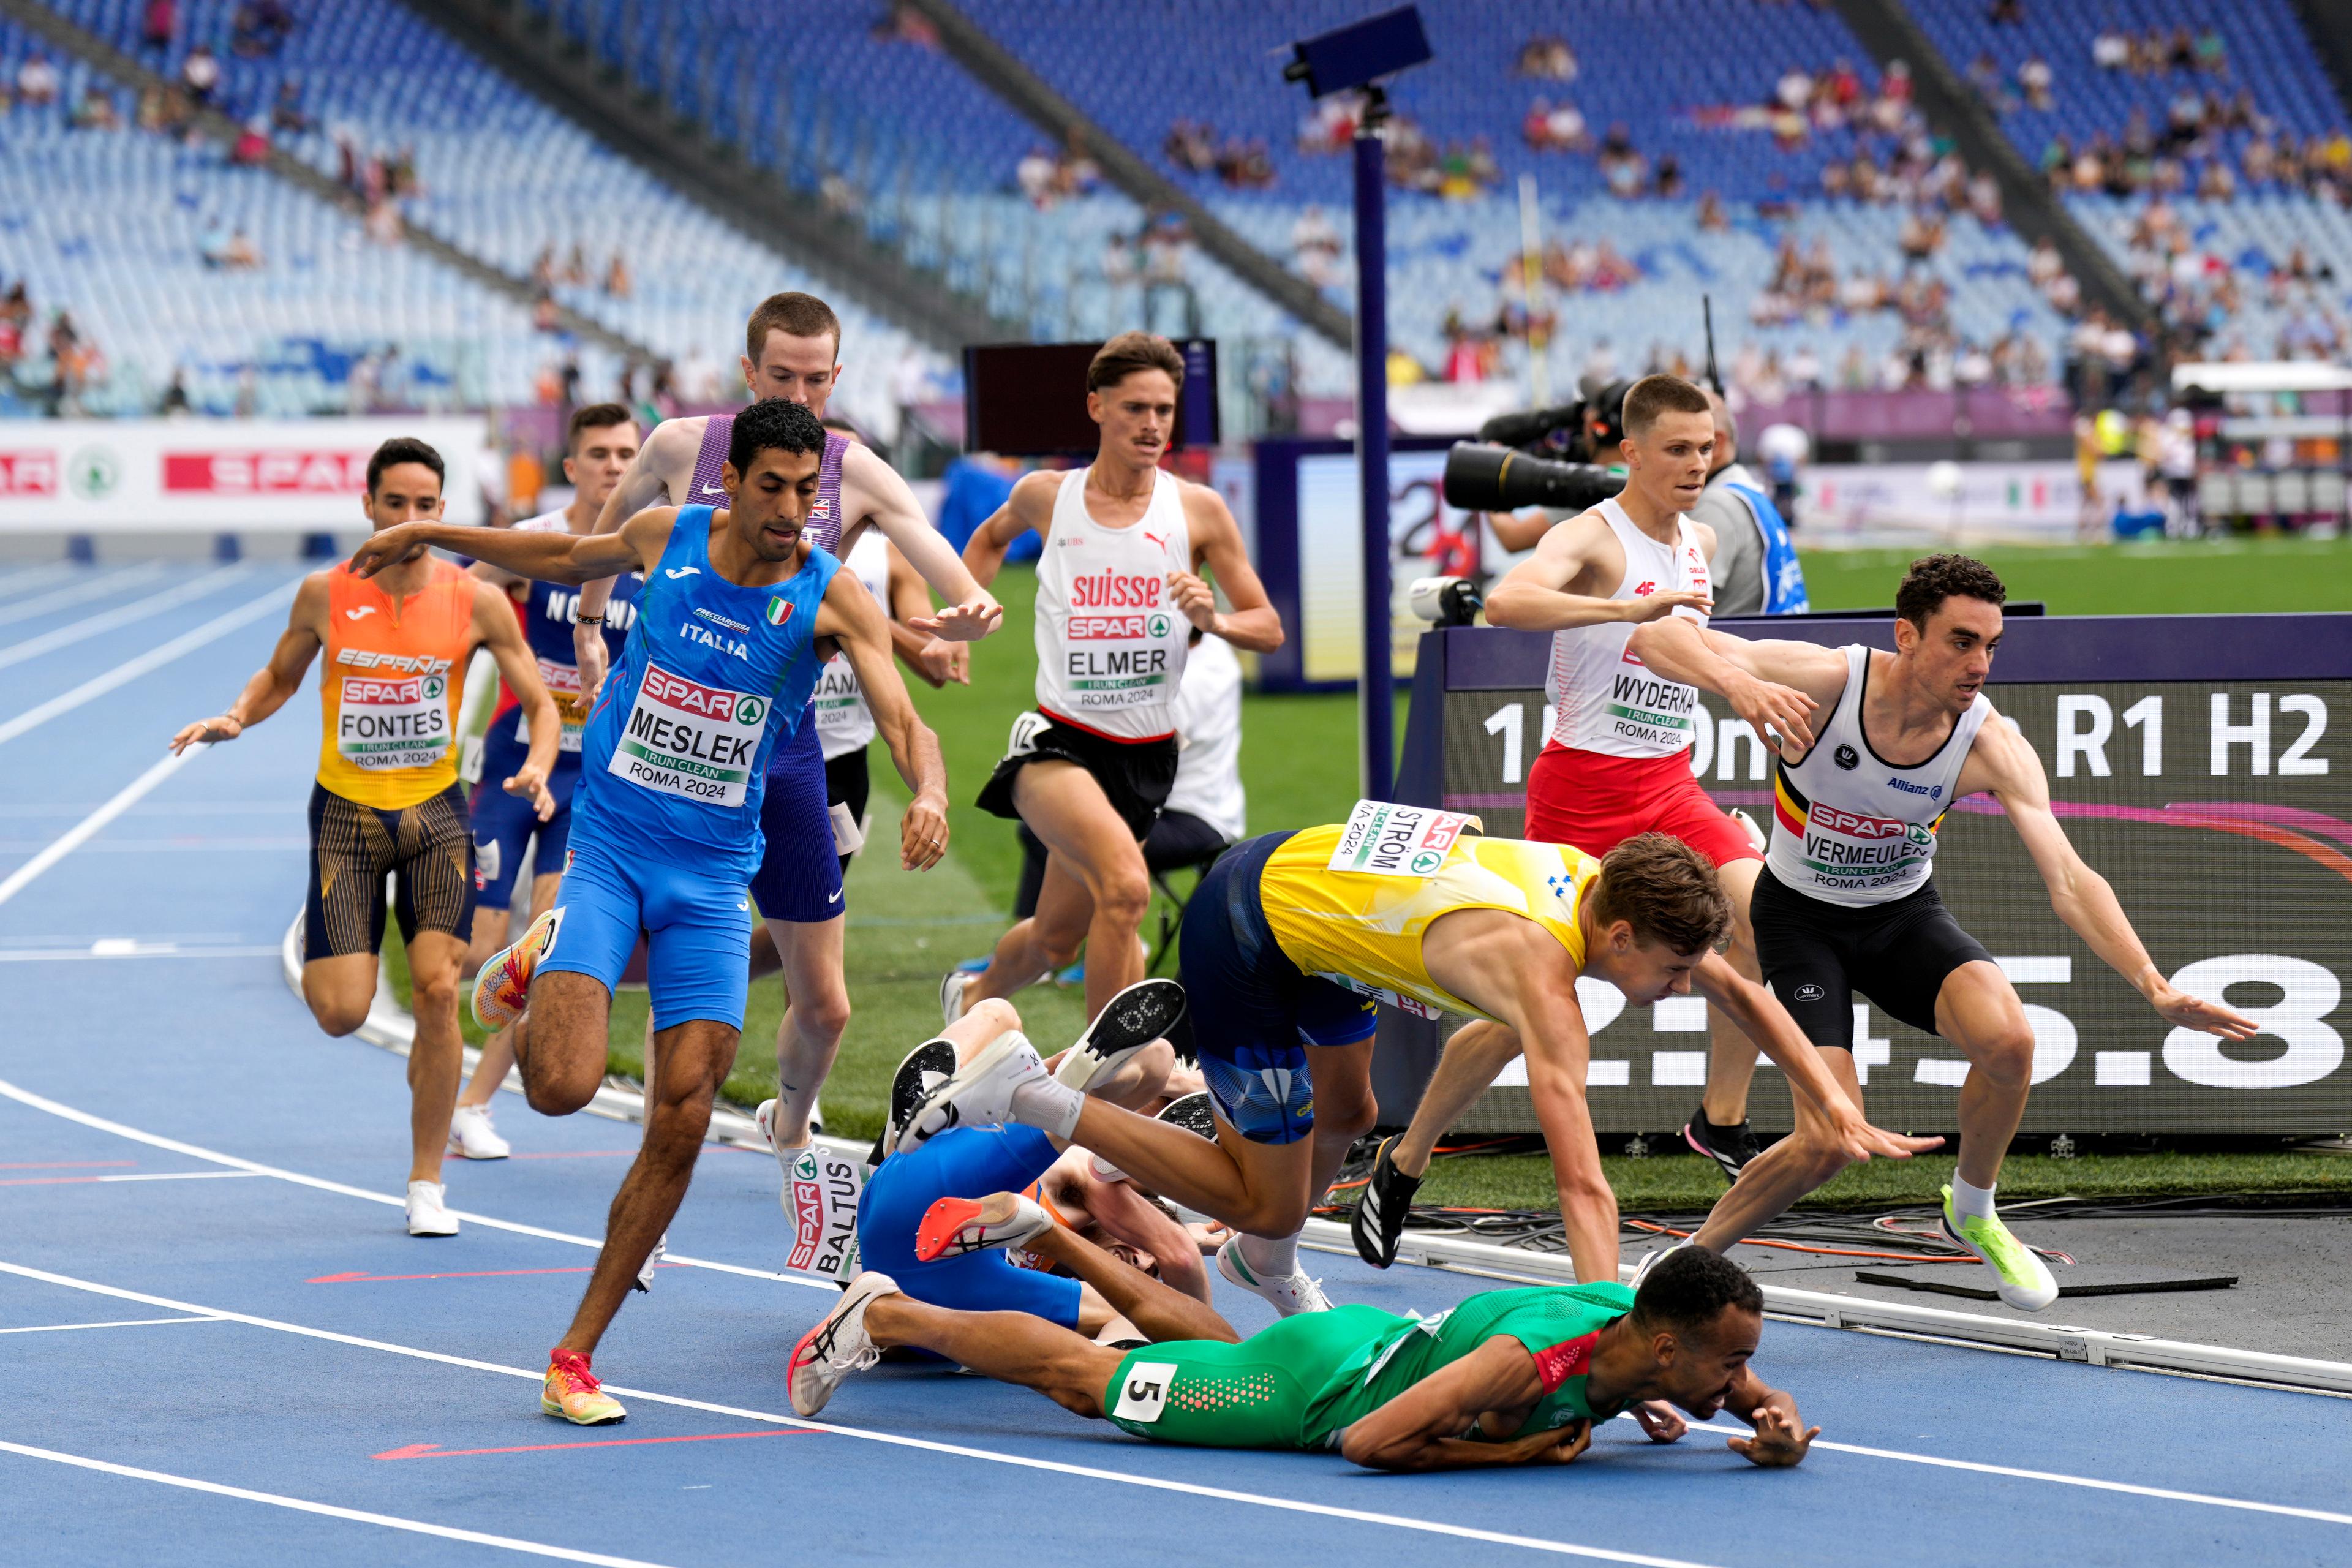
x,y
780,610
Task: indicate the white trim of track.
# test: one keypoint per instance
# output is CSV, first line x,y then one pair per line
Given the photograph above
x,y
89,626
118,1323
95,587
330,1510
90,827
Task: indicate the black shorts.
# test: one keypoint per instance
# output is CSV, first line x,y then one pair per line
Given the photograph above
x,y
1817,955
1135,774
429,850
848,782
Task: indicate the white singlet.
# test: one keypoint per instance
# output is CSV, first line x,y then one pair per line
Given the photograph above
x,y
1602,698
1209,727
843,722
1110,642
1850,828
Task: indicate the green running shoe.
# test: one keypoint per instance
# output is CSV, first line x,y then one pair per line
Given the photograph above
x,y
2025,1281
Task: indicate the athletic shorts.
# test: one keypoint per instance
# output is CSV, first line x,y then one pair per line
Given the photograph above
x,y
1596,802
697,931
799,877
1816,955
849,782
1259,1394
962,1162
428,851
1136,775
1253,1013
505,825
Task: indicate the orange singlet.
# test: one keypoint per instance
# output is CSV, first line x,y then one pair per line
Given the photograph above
x,y
390,685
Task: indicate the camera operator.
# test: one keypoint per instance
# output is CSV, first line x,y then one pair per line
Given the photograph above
x,y
1587,431
1755,565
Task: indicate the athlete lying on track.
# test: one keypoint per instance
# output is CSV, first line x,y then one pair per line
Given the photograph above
x,y
1504,1377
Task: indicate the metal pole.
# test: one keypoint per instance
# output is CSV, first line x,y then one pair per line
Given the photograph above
x,y
1375,689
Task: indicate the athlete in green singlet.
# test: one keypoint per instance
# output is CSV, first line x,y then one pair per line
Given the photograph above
x,y
1504,1377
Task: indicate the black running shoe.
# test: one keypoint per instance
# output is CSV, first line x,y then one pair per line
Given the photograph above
x,y
1378,1224
923,1069
1130,1021
1193,1113
1730,1147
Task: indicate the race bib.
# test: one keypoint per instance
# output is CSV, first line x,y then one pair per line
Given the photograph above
x,y
688,739
822,1194
393,722
840,702
1143,1392
1123,659
1383,839
563,683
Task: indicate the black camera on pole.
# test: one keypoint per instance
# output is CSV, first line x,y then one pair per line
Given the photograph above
x,y
1481,478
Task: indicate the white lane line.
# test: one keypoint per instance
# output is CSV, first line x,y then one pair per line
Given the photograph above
x,y
38,1102
118,1323
143,950
80,593
88,826
120,616
302,1505
1123,1477
145,1176
153,659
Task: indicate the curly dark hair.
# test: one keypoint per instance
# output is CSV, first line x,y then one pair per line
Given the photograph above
x,y
772,424
1936,578
1689,1287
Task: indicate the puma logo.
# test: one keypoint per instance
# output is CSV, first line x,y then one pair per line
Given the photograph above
x,y
362,610
1157,539
676,571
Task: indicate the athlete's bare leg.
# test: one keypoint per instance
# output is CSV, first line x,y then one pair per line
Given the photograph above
x,y
1011,1347
692,1059
1157,1311
1787,1170
437,1060
340,990
1473,1058
816,1012
1097,889
562,1061
1731,1056
1978,1011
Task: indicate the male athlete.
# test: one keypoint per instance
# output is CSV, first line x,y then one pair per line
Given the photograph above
x,y
1291,937
716,673
1503,1377
387,800
1118,597
599,444
1616,760
792,347
1845,904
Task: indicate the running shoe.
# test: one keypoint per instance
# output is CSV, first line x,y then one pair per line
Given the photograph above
x,y
1130,1021
1377,1223
953,986
471,1136
644,1282
1651,1260
502,990
428,1212
837,1346
980,1094
1289,1295
2025,1281
572,1391
921,1070
1193,1113
953,1226
1729,1146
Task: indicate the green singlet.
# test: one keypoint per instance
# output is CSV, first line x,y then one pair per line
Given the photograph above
x,y
1302,1382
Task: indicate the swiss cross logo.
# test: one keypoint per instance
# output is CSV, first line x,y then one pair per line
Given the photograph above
x,y
284,471
1645,590
32,472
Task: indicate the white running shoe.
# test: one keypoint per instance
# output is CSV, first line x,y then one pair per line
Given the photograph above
x,y
979,1095
428,1212
1290,1295
837,1346
645,1280
1130,1021
955,1226
2024,1281
953,987
471,1136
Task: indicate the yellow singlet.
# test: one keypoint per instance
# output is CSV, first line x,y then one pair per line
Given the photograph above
x,y
1364,930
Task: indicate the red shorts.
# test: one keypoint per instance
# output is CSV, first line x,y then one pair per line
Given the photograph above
x,y
1596,802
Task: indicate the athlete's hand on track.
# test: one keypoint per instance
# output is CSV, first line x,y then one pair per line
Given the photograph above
x,y
592,657
1660,1420
1777,1443
2178,1007
968,622
1783,710
923,833
1858,1139
942,661
220,727
388,547
1656,607
1196,600
532,782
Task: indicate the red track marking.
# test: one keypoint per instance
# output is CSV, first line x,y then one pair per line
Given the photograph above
x,y
356,1278
67,1164
434,1451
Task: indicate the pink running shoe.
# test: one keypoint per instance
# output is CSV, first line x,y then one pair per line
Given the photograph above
x,y
502,990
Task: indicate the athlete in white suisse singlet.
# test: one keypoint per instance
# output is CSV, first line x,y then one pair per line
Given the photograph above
x,y
1110,642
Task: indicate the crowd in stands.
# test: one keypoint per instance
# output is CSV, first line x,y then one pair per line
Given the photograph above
x,y
61,360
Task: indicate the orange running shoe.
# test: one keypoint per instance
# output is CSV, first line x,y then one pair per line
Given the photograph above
x,y
953,1226
502,990
572,1391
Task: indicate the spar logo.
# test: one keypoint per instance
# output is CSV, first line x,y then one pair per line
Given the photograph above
x,y
1853,825
360,688
265,471
1103,629
707,701
29,472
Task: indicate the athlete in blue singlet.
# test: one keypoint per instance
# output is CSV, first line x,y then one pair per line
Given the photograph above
x,y
715,675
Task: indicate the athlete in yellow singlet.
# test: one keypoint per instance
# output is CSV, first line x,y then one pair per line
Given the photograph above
x,y
1292,938
387,800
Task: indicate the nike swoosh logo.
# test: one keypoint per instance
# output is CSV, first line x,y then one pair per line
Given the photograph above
x,y
362,610
682,572
743,904
714,490
834,897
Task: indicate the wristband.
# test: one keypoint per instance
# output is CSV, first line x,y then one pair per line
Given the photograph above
x,y
589,620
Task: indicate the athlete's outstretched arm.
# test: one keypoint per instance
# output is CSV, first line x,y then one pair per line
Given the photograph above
x,y
851,618
1773,685
972,611
547,557
1764,1021
276,681
1421,1429
1031,505
1254,624
1781,1436
502,633
1535,595
2004,761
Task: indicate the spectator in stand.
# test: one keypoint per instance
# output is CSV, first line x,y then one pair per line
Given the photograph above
x,y
95,110
1189,146
2006,13
1315,247
37,81
259,27
618,285
242,255
286,116
1035,175
1547,57
2212,56
200,74
159,24
251,148
2111,50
